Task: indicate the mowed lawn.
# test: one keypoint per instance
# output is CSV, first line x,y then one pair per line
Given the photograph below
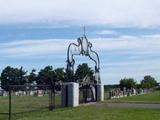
x,y
95,112
98,111
25,104
153,97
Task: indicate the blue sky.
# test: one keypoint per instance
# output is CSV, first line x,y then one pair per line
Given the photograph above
x,y
126,34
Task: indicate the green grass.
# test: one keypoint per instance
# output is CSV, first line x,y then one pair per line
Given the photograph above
x,y
153,97
106,95
98,111
95,112
24,104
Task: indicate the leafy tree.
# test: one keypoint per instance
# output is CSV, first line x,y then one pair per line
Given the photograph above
x,y
32,77
82,71
148,82
12,76
128,83
68,75
46,76
59,74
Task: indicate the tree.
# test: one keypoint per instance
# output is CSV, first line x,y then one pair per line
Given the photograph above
x,y
59,74
128,83
82,71
32,77
148,82
68,75
12,76
46,76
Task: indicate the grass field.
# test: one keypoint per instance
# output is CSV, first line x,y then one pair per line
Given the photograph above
x,y
100,111
25,104
95,112
153,97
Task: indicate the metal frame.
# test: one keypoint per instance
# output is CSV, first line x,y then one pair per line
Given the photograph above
x,y
81,51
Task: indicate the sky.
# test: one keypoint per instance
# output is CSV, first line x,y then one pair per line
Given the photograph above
x,y
125,34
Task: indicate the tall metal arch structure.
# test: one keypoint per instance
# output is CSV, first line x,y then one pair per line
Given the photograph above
x,y
84,48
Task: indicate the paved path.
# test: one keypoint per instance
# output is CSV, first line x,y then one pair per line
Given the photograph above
x,y
135,105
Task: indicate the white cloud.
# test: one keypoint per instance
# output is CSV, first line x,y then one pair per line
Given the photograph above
x,y
33,47
113,68
112,72
141,13
106,32
142,43
122,45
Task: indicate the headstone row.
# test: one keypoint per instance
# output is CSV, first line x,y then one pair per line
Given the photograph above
x,y
38,93
118,93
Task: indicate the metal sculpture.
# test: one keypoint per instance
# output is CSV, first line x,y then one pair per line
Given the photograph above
x,y
84,48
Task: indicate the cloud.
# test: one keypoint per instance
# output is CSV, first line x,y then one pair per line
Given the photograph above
x,y
113,71
125,56
106,32
143,43
140,13
121,45
33,47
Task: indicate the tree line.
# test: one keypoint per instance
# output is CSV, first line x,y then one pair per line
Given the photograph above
x,y
19,76
147,82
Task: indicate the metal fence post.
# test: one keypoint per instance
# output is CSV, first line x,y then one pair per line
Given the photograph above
x,y
51,103
54,103
10,103
51,99
66,95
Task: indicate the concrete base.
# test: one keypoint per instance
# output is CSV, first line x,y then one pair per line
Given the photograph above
x,y
100,92
70,94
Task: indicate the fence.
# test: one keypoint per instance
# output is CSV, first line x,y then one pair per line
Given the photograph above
x,y
4,104
24,99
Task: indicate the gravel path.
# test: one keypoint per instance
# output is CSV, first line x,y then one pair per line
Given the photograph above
x,y
135,105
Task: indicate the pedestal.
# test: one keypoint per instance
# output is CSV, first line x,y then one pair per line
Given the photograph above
x,y
100,92
70,94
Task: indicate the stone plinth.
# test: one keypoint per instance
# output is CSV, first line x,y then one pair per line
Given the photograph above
x,y
100,92
70,94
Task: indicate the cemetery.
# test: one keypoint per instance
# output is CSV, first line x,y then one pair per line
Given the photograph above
x,y
31,98
53,68
98,110
70,94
